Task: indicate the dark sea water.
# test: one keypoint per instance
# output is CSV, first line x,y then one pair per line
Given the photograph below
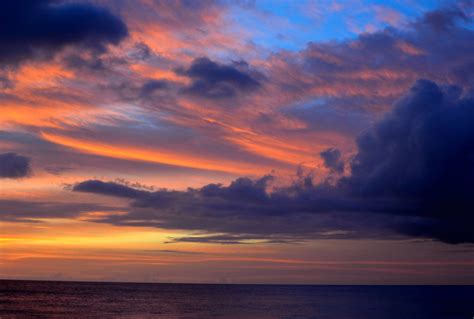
x,y
36,299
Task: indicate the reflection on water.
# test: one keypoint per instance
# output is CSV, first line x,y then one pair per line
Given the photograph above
x,y
19,299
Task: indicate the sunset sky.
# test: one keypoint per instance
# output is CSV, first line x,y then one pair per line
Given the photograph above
x,y
306,142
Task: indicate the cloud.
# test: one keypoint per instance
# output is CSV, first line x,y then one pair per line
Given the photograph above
x,y
372,70
365,74
422,153
110,188
13,165
444,19
24,211
332,160
214,81
413,175
245,211
57,170
153,85
39,28
234,239
309,100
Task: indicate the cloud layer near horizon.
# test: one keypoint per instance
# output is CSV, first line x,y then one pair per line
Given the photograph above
x,y
412,173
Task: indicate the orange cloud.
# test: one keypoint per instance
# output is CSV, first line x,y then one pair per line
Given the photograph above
x,y
161,156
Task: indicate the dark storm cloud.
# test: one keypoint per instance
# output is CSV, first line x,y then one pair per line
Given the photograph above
x,y
423,151
332,160
39,28
13,165
413,174
213,80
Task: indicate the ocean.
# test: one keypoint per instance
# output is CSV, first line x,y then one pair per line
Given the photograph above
x,y
49,299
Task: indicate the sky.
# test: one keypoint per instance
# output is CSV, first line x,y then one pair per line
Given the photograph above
x,y
294,142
